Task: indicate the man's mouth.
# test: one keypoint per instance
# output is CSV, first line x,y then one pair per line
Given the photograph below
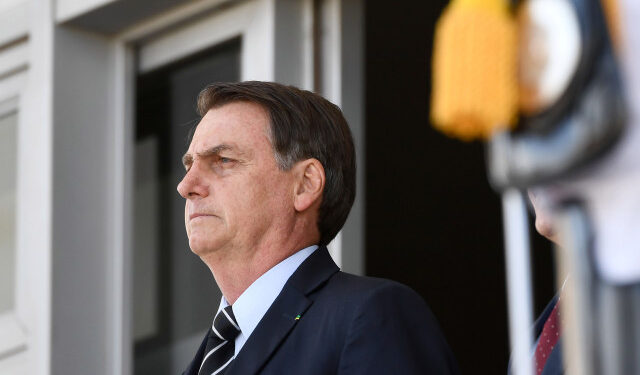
x,y
196,215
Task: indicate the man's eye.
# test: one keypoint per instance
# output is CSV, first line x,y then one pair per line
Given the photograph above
x,y
225,162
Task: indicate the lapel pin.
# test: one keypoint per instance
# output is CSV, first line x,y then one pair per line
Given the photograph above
x,y
298,317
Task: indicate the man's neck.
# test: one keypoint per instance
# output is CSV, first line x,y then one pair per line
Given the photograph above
x,y
236,269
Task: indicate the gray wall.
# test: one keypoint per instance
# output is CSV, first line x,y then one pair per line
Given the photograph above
x,y
82,203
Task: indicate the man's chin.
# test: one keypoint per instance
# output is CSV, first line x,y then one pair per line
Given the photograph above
x,y
202,247
546,229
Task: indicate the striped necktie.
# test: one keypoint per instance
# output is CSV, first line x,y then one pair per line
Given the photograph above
x,y
220,347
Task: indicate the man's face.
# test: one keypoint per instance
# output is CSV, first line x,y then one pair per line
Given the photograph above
x,y
236,196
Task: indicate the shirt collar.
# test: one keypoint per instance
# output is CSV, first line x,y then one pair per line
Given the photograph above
x,y
254,302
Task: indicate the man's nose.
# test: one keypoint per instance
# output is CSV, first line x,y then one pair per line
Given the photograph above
x,y
192,186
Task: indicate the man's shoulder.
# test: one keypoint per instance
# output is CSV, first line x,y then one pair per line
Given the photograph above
x,y
366,284
374,315
319,275
353,289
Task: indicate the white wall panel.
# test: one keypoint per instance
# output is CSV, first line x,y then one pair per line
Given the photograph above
x,y
249,20
82,204
8,166
14,58
13,20
67,9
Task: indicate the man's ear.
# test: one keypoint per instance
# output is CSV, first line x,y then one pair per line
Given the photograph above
x,y
309,184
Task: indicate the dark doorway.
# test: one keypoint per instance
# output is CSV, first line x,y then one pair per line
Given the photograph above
x,y
432,220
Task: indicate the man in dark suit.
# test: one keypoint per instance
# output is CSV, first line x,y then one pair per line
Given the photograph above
x,y
270,180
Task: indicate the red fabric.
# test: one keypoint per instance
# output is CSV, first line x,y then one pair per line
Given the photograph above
x,y
548,339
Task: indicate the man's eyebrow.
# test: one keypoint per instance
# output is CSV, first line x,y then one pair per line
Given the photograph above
x,y
187,159
215,150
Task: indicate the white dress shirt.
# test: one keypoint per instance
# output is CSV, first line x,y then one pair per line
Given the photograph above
x,y
254,302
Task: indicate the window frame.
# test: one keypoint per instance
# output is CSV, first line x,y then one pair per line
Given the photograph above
x,y
12,326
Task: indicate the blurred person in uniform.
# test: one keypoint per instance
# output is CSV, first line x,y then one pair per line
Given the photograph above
x,y
270,180
547,327
607,187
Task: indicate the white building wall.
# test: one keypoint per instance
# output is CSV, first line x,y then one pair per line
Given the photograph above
x,y
25,90
68,9
13,21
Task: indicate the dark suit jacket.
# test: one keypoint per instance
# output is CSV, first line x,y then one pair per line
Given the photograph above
x,y
348,325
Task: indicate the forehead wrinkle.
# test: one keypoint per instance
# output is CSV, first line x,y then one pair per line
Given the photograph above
x,y
215,150
187,158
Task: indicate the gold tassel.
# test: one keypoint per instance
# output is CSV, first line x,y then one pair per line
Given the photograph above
x,y
612,14
474,89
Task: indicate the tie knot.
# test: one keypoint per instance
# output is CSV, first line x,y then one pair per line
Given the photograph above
x,y
225,325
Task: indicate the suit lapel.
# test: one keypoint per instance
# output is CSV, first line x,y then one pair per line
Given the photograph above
x,y
270,332
280,319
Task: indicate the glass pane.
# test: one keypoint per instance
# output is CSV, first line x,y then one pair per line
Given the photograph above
x,y
175,296
8,156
